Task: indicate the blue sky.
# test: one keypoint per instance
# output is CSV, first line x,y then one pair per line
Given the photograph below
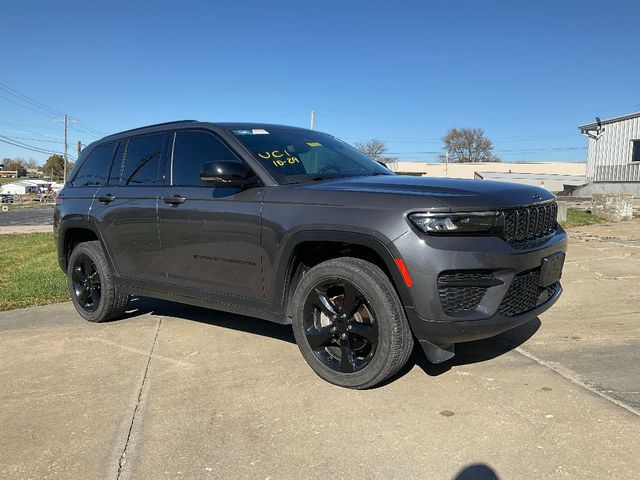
x,y
405,72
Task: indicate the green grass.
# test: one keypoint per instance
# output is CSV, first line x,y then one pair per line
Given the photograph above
x,y
7,180
577,218
29,271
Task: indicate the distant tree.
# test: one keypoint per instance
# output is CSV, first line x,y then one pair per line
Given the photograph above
x,y
54,167
375,149
15,164
467,145
31,164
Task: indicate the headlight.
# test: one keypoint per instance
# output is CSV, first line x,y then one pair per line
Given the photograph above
x,y
476,222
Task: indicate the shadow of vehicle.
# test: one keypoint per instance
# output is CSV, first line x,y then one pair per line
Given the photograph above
x,y
142,305
479,350
477,471
466,353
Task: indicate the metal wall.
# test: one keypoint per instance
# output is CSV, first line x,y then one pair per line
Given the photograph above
x,y
609,158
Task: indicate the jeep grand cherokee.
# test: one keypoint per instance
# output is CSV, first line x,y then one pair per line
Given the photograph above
x,y
297,227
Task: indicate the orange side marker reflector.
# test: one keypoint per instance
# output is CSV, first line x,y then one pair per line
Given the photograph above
x,y
403,270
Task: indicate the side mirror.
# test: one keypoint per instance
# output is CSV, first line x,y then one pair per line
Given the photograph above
x,y
232,174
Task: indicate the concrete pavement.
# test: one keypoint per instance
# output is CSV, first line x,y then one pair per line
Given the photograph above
x,y
27,220
183,392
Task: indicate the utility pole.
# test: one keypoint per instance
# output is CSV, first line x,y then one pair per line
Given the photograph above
x,y
79,148
313,119
64,178
446,163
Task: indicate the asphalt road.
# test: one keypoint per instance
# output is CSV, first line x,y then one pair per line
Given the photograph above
x,y
40,215
183,392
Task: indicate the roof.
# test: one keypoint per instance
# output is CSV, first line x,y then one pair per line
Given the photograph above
x,y
594,125
182,123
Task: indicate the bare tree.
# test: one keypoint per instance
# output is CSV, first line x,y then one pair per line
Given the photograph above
x,y
375,149
468,145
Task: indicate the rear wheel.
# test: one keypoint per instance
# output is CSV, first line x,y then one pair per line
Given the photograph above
x,y
349,323
93,291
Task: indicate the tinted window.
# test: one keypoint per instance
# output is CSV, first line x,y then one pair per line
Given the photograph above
x,y
95,169
116,169
143,161
635,156
295,155
191,150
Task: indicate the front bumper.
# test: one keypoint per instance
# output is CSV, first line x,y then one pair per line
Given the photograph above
x,y
427,258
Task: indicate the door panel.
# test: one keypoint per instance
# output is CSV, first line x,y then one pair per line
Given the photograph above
x,y
127,208
210,235
129,227
211,241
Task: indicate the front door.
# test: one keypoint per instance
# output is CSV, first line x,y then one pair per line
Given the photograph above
x,y
210,235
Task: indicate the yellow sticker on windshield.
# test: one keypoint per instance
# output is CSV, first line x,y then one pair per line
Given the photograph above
x,y
314,144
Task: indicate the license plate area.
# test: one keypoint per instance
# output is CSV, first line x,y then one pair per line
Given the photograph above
x,y
551,269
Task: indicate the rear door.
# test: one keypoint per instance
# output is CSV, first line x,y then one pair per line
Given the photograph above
x,y
92,174
210,235
127,208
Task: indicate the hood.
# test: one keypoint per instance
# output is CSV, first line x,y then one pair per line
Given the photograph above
x,y
457,194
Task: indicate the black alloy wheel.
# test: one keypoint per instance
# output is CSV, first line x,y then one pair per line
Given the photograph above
x,y
340,326
85,279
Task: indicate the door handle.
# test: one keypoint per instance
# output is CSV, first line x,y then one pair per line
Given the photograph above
x,y
108,198
174,200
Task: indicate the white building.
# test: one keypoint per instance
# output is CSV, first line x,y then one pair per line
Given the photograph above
x,y
613,158
21,187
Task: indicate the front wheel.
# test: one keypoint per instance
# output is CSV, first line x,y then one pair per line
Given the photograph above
x,y
93,290
349,323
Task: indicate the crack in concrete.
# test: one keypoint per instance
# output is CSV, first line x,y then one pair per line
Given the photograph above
x,y
602,276
122,460
633,243
573,377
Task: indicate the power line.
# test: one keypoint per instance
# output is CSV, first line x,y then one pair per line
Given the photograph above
x,y
33,148
28,99
48,115
29,125
29,103
36,139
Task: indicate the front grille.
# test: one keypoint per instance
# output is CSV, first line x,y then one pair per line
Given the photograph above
x,y
463,290
524,226
525,293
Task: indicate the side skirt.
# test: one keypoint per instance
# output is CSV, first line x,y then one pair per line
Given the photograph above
x,y
201,299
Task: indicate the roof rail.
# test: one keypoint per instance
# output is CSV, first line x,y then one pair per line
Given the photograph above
x,y
154,125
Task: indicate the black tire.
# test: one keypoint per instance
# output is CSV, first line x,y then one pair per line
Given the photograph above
x,y
90,281
393,339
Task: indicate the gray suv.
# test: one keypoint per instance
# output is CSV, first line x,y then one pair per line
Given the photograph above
x,y
297,227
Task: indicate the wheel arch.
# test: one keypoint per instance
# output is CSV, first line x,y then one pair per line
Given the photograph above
x,y
73,232
309,248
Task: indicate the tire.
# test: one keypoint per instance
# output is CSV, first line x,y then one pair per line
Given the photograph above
x,y
324,333
90,280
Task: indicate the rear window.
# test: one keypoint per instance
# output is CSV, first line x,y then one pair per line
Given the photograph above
x,y
95,169
143,161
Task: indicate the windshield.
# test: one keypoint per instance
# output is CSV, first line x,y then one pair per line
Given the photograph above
x,y
295,155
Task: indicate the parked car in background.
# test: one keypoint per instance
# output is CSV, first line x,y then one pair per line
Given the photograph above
x,y
297,227
6,198
43,197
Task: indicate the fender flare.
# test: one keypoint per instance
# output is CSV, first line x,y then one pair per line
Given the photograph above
x,y
84,223
386,252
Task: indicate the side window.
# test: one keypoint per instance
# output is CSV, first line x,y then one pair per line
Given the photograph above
x,y
143,161
95,169
116,169
193,148
635,155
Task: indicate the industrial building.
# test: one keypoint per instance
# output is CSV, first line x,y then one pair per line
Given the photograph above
x,y
554,176
613,158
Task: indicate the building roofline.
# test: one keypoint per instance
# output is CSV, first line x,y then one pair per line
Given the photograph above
x,y
594,125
